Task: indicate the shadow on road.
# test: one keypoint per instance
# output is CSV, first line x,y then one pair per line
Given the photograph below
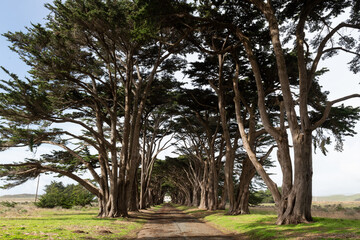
x,y
171,223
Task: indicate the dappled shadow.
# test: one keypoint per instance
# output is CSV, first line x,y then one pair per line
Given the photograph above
x,y
189,225
172,223
220,237
266,228
69,214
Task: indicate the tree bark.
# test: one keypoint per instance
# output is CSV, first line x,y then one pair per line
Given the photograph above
x,y
224,195
297,206
204,187
247,174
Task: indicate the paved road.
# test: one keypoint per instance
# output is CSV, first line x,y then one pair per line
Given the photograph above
x,y
171,223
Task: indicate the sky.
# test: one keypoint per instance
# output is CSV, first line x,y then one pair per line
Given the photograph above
x,y
336,173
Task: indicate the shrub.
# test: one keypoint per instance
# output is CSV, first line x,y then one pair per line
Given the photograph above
x,y
357,209
339,207
8,204
58,195
262,196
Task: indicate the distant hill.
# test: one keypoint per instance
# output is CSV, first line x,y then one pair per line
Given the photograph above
x,y
24,195
338,198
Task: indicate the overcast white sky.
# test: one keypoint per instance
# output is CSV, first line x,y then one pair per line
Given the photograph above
x,y
336,173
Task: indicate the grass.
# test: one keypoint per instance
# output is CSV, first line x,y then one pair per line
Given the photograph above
x,y
183,208
336,210
338,198
25,221
261,225
156,207
347,204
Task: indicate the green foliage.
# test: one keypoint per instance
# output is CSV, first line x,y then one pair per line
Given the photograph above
x,y
8,204
56,194
262,196
340,122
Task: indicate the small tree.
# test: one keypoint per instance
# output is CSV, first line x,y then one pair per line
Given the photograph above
x,y
56,194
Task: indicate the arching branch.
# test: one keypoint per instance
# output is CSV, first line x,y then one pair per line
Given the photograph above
x,y
328,108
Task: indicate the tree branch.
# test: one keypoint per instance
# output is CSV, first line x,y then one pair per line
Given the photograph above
x,y
323,43
328,108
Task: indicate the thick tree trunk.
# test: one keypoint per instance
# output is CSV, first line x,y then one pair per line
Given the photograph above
x,y
102,208
150,198
195,197
229,169
204,187
142,202
187,198
203,195
247,173
297,207
122,202
103,198
243,204
224,195
212,184
134,200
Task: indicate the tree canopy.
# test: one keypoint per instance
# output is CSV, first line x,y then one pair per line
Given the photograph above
x,y
111,69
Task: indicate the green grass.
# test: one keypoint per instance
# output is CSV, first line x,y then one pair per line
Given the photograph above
x,y
64,224
157,207
185,208
262,226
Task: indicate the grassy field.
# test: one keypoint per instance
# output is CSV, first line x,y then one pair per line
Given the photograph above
x,y
25,221
337,210
338,198
260,224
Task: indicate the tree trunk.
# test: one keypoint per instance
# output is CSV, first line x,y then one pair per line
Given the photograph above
x,y
229,169
230,147
133,199
224,195
297,206
212,187
247,173
142,202
188,197
204,187
203,195
149,199
102,207
195,197
122,202
142,186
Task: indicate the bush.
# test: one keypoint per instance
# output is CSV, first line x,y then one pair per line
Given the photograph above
x,y
339,207
58,195
357,209
262,196
8,204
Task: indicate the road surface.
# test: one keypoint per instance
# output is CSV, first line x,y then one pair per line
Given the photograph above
x,y
171,223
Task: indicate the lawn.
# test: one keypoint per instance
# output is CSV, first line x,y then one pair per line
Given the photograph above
x,y
25,221
261,225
